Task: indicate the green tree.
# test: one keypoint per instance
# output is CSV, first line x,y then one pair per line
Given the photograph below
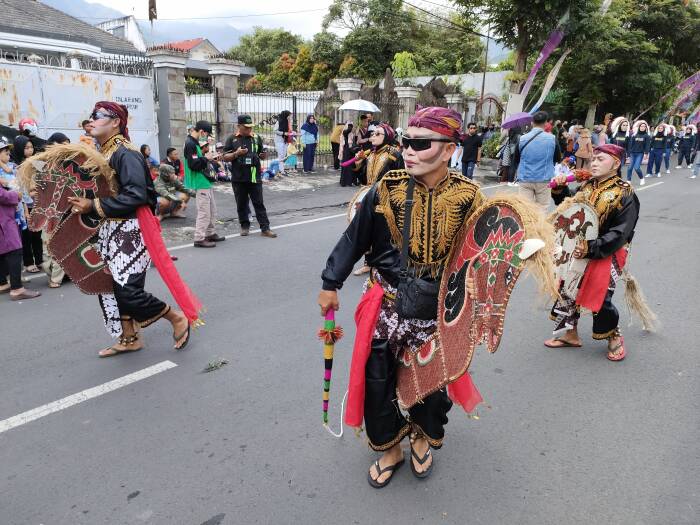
x,y
278,78
525,24
403,65
262,48
326,48
378,30
300,73
320,76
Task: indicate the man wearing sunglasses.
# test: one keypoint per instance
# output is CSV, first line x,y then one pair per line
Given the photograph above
x,y
121,237
400,251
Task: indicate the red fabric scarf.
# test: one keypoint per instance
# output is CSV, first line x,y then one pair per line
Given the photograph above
x,y
596,281
366,317
184,297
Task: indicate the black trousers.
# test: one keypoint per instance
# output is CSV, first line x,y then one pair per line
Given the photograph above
x,y
11,264
137,303
335,146
32,249
253,191
685,154
606,320
384,423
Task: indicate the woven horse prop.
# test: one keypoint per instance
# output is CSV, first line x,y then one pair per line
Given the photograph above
x,y
64,171
492,250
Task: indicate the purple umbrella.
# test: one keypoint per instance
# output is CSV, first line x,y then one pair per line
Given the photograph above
x,y
517,119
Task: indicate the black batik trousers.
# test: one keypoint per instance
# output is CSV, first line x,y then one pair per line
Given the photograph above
x,y
384,423
253,191
136,303
606,320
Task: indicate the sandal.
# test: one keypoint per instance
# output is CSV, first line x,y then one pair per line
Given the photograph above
x,y
124,341
54,285
560,343
391,468
421,461
185,335
32,269
612,356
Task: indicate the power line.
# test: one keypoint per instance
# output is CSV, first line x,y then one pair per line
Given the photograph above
x,y
454,24
222,17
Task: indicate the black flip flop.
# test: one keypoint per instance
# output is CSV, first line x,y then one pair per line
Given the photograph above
x,y
421,461
391,468
187,340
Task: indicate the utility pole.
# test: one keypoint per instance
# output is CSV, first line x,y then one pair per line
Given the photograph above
x,y
480,109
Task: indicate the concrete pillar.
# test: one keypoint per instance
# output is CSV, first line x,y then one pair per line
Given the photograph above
x,y
225,75
408,97
169,67
455,101
73,59
349,89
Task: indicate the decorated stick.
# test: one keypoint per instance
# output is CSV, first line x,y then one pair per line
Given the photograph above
x,y
360,156
329,334
576,176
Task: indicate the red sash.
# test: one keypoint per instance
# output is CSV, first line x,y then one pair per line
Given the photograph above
x,y
184,297
366,317
596,281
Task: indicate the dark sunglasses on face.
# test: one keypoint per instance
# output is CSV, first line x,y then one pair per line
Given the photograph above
x,y
97,115
419,144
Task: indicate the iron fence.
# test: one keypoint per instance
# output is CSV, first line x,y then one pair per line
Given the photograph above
x,y
129,65
265,108
201,102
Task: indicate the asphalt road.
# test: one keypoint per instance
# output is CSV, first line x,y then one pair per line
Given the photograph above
x,y
565,437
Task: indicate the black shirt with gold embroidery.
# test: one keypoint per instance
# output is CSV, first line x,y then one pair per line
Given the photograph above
x,y
618,211
378,162
376,230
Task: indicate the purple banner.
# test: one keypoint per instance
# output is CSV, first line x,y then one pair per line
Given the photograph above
x,y
552,43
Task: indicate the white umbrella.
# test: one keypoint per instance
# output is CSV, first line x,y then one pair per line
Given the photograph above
x,y
359,105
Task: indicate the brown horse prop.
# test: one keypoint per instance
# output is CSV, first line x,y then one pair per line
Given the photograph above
x,y
64,171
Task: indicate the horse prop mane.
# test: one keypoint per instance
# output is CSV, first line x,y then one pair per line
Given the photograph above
x,y
63,171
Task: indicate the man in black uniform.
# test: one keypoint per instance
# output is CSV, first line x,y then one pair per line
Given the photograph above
x,y
244,150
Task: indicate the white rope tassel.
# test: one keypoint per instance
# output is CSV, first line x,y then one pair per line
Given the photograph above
x,y
342,427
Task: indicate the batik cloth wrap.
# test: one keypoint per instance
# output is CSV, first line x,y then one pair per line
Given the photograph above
x,y
121,246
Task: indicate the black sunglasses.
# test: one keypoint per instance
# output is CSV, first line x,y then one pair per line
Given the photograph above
x,y
419,144
97,115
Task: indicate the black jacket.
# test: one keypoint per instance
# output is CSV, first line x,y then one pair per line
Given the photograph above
x,y
246,168
451,202
622,139
640,143
658,142
194,161
135,185
686,142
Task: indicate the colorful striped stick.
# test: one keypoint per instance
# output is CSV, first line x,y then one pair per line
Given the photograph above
x,y
329,334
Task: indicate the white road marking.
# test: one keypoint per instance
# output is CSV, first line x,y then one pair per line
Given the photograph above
x,y
317,219
90,393
646,187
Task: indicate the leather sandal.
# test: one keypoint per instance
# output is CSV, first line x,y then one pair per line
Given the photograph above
x,y
619,356
391,468
127,341
185,335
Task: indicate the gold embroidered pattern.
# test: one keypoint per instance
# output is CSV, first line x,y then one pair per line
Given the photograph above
x,y
436,218
605,196
378,160
112,144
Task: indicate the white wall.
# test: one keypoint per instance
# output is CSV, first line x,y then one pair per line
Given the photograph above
x,y
60,99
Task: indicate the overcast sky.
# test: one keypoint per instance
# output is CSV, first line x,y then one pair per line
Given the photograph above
x,y
307,23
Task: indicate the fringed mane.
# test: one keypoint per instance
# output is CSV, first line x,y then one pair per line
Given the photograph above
x,y
57,154
541,263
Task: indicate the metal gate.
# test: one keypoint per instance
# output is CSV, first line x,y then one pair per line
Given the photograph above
x,y
201,102
265,108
